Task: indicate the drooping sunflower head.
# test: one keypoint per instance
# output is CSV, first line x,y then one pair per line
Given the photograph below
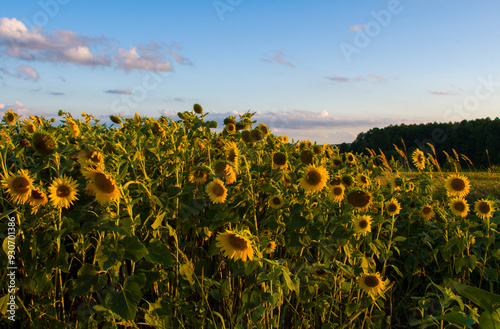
x,y
279,159
363,180
37,199
246,136
418,158
371,283
337,161
43,143
137,119
10,117
307,157
318,149
484,208
235,246
427,212
231,151
115,119
102,186
63,191
275,202
336,192
73,128
28,125
457,186
257,135
336,181
347,180
393,207
459,207
362,224
225,170
216,191
198,109
198,176
314,179
360,200
18,186
231,128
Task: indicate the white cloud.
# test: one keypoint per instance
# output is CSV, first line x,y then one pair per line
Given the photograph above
x,y
358,27
119,91
130,59
17,107
337,78
442,93
27,72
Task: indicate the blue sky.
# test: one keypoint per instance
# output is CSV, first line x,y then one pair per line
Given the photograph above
x,y
318,70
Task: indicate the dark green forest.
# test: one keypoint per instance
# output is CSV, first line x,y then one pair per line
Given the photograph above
x,y
469,137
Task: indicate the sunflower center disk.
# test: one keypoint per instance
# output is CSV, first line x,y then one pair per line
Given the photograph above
x,y
427,210
237,243
459,206
458,184
363,224
313,178
218,190
36,195
392,207
276,201
21,185
337,191
104,184
358,199
372,281
63,191
484,208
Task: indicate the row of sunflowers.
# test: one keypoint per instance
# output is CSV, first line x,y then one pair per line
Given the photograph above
x,y
166,223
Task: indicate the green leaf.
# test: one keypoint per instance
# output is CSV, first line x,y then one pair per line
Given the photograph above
x,y
124,302
456,318
134,249
187,272
90,279
108,256
484,299
489,320
159,253
399,239
296,223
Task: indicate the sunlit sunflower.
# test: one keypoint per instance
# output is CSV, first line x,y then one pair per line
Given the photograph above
x,y
37,199
263,127
307,157
10,117
43,143
225,170
231,152
418,158
347,180
484,208
93,159
284,139
337,161
216,191
270,248
360,199
198,175
336,192
231,128
275,202
63,191
235,246
279,160
363,180
457,186
137,119
362,224
427,212
28,125
459,207
18,186
73,128
350,158
315,178
371,283
102,186
393,207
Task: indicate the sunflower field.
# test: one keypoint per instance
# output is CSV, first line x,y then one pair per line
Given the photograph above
x,y
165,223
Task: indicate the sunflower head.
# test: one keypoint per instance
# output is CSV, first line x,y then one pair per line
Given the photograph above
x,y
279,159
393,207
63,192
306,157
231,128
246,136
418,158
10,117
102,186
284,139
318,149
457,186
362,224
350,158
360,200
337,161
263,127
28,125
216,191
235,246
37,199
270,247
231,151
363,180
459,207
427,212
115,119
371,283
19,186
198,175
256,135
484,208
43,143
197,109
337,192
346,180
314,179
275,202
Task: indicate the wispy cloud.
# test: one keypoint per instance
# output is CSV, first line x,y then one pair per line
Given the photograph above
x,y
17,107
372,76
279,58
359,27
17,41
56,93
23,72
442,93
377,77
119,91
337,78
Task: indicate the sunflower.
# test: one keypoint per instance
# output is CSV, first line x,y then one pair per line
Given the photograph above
x,y
307,157
270,248
262,127
427,212
371,283
231,128
484,208
279,160
393,207
318,149
360,199
362,224
93,159
457,186
28,125
363,180
37,199
459,207
350,158
19,186
275,202
284,139
10,117
198,175
197,109
256,135
216,191
43,143
336,192
102,186
137,119
246,136
73,128
231,151
63,191
347,180
418,158
336,181
314,179
337,161
235,246
115,119
225,170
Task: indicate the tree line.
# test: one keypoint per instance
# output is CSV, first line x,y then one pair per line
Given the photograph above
x,y
478,140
